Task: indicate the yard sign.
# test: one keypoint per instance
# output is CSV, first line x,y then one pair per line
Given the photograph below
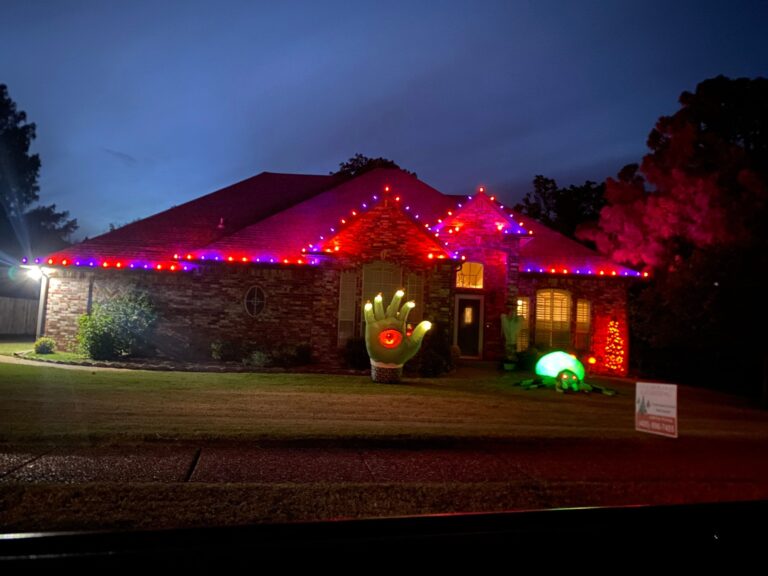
x,y
656,408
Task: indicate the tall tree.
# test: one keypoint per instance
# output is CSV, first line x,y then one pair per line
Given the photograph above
x,y
563,209
18,169
704,183
695,211
359,164
23,228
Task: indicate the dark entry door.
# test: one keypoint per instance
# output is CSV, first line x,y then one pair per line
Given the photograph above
x,y
468,325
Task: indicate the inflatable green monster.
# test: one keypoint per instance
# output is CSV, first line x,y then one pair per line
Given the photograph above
x,y
386,338
563,372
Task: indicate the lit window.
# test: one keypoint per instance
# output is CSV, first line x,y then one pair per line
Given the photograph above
x,y
254,301
470,275
583,324
553,319
524,312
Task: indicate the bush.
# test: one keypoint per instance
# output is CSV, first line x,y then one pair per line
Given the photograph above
x,y
526,360
228,351
436,352
356,355
258,359
45,345
122,326
288,356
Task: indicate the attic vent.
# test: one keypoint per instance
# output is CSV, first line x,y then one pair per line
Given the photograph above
x,y
221,223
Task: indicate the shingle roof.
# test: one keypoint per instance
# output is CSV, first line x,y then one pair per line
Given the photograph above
x,y
276,215
284,234
197,223
547,250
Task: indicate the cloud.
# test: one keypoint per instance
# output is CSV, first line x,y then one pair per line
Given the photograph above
x,y
122,156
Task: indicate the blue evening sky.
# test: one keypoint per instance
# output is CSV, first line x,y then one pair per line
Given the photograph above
x,y
142,105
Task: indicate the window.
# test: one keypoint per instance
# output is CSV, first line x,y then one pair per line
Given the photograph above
x,y
553,318
254,301
383,277
524,311
583,324
414,290
347,306
470,275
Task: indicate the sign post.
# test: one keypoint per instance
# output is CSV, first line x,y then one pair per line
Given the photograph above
x,y
656,408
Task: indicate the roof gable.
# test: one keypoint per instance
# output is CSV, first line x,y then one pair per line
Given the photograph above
x,y
384,232
305,225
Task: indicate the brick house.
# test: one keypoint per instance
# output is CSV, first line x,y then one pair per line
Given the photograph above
x,y
284,259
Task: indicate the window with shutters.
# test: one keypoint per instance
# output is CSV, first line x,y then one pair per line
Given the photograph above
x,y
347,306
524,311
553,319
583,324
470,275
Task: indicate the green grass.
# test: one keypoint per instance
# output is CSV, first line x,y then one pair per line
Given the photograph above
x,y
11,347
53,403
27,349
49,403
56,356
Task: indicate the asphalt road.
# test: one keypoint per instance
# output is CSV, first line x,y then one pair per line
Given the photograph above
x,y
644,459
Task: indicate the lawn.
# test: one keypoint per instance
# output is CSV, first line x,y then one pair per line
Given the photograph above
x,y
48,407
10,348
50,403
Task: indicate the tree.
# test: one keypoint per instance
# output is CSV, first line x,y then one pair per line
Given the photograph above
x,y
563,209
24,229
704,184
18,169
695,212
359,164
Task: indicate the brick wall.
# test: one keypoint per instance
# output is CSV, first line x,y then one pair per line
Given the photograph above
x,y
479,240
196,308
608,299
302,302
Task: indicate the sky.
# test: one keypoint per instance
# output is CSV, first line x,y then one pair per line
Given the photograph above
x,y
143,105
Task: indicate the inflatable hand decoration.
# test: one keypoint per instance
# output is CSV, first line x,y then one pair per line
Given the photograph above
x,y
386,338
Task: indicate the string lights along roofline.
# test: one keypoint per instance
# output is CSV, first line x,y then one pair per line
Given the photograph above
x,y
311,254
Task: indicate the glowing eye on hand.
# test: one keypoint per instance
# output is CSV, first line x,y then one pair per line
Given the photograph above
x,y
390,338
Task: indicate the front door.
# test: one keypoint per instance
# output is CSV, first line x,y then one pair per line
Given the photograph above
x,y
468,332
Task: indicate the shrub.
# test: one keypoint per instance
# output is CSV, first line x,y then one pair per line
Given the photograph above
x,y
526,360
228,351
303,355
288,356
436,352
356,355
45,345
258,359
122,326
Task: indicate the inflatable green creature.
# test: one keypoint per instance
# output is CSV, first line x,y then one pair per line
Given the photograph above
x,y
386,337
563,372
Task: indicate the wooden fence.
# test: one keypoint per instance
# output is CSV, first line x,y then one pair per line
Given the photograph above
x,y
18,316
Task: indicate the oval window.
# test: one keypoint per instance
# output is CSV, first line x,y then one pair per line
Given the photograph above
x,y
255,299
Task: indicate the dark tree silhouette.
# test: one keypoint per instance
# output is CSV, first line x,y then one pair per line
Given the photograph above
x,y
18,169
563,209
695,211
359,164
24,229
